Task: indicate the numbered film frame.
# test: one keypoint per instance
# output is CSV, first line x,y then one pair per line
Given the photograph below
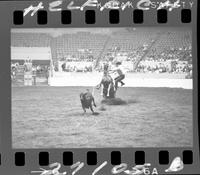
x,y
24,161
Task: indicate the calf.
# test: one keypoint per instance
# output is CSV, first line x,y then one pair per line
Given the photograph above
x,y
86,101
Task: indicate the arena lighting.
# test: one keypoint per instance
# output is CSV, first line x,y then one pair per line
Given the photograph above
x,y
60,5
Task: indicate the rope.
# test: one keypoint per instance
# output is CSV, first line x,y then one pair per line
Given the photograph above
x,y
93,91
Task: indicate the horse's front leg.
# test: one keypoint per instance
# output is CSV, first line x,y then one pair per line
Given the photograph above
x,y
108,91
102,87
114,86
94,102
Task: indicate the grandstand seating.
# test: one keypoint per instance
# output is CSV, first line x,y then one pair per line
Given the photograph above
x,y
173,39
30,40
128,41
70,44
96,44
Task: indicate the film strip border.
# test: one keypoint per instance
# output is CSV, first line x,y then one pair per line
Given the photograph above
x,y
91,158
20,158
90,17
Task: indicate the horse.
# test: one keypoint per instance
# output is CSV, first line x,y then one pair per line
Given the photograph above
x,y
107,86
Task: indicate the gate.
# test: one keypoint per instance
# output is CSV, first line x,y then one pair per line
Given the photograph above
x,y
32,78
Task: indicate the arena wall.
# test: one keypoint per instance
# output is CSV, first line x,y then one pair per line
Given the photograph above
x,y
131,80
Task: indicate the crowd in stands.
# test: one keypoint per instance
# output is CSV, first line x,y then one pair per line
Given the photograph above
x,y
88,58
163,67
181,53
151,48
173,60
72,68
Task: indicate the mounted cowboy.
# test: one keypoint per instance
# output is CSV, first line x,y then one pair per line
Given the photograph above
x,y
119,70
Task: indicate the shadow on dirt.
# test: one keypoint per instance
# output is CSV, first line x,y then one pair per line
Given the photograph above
x,y
95,113
131,101
102,107
117,101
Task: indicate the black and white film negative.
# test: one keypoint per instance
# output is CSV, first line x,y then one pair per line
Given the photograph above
x,y
99,87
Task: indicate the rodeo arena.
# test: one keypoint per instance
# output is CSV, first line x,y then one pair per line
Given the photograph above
x,y
101,87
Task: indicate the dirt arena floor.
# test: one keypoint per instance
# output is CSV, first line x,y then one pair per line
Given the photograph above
x,y
52,117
